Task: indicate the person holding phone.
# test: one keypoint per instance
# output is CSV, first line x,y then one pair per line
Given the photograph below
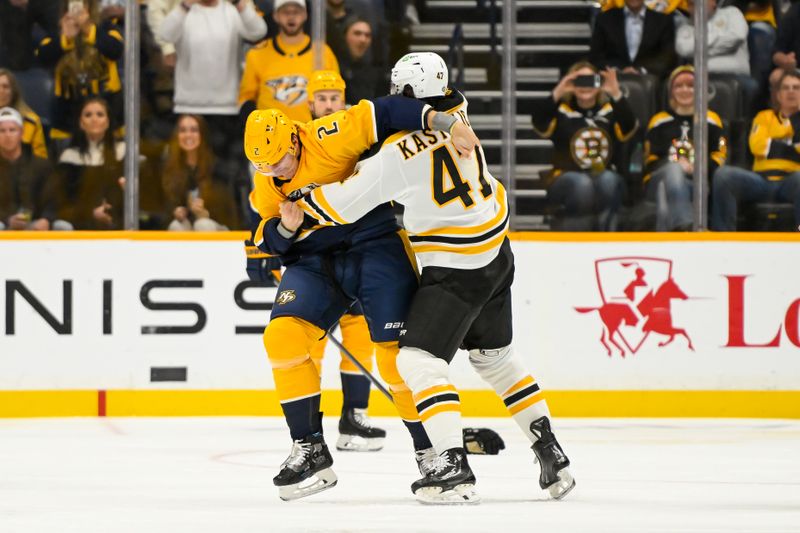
x,y
85,54
587,117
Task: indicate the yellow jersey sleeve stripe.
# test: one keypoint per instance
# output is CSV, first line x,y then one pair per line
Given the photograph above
x,y
322,202
253,252
313,209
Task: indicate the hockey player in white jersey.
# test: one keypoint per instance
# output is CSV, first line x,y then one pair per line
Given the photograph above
x,y
456,214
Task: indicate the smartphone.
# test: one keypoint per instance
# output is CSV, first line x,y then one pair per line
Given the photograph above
x,y
592,81
75,7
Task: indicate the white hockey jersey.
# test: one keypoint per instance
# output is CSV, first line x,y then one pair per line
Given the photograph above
x,y
456,212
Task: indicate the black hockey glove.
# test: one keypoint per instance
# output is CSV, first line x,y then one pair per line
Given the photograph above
x,y
482,441
260,268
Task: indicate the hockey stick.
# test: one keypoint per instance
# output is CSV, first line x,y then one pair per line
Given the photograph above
x,y
363,370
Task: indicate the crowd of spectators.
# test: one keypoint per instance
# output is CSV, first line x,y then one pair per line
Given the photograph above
x,y
752,51
205,65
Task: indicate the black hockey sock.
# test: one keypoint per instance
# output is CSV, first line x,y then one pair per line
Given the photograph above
x,y
418,435
355,391
303,417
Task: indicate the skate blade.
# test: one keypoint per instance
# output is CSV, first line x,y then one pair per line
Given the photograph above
x,y
563,486
459,495
322,480
355,443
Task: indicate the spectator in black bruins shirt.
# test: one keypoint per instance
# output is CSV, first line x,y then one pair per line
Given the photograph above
x,y
669,153
586,118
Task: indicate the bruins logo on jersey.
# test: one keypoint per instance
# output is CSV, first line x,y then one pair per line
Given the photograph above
x,y
289,90
302,191
591,148
285,297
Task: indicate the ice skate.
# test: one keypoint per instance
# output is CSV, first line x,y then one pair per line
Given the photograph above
x,y
426,460
450,482
357,434
307,470
555,477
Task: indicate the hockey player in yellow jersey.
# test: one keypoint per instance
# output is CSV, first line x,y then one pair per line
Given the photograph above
x,y
327,269
277,71
456,214
356,433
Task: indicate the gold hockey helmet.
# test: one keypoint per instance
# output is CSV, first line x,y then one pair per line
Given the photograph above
x,y
324,80
268,137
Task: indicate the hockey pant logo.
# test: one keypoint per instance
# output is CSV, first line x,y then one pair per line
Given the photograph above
x,y
285,297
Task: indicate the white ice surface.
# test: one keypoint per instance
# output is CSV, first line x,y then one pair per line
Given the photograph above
x,y
214,475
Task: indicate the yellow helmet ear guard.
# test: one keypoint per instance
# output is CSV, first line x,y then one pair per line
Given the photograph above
x,y
324,80
268,137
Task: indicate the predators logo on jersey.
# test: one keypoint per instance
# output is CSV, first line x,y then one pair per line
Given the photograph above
x,y
289,90
285,297
302,191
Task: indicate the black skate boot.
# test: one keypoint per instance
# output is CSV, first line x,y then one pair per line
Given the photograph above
x,y
357,434
555,477
307,470
450,482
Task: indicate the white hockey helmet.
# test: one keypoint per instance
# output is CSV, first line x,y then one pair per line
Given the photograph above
x,y
424,72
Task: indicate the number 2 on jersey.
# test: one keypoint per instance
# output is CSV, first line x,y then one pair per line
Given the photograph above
x,y
332,131
444,165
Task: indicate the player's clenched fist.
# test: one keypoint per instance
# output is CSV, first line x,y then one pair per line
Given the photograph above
x,y
464,139
291,215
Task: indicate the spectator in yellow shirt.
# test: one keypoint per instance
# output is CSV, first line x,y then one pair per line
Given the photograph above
x,y
276,72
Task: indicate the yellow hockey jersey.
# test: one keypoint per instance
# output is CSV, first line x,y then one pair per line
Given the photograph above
x,y
276,74
331,147
456,212
662,6
33,134
775,145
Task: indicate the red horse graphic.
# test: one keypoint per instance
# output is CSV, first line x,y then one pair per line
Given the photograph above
x,y
612,315
657,308
654,310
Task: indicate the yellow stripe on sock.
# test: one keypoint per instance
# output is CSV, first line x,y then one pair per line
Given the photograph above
x,y
521,406
452,407
519,385
432,391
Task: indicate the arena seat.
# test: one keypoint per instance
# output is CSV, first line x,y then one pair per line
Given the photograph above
x,y
37,88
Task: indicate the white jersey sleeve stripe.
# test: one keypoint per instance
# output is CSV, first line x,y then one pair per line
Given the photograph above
x,y
374,122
